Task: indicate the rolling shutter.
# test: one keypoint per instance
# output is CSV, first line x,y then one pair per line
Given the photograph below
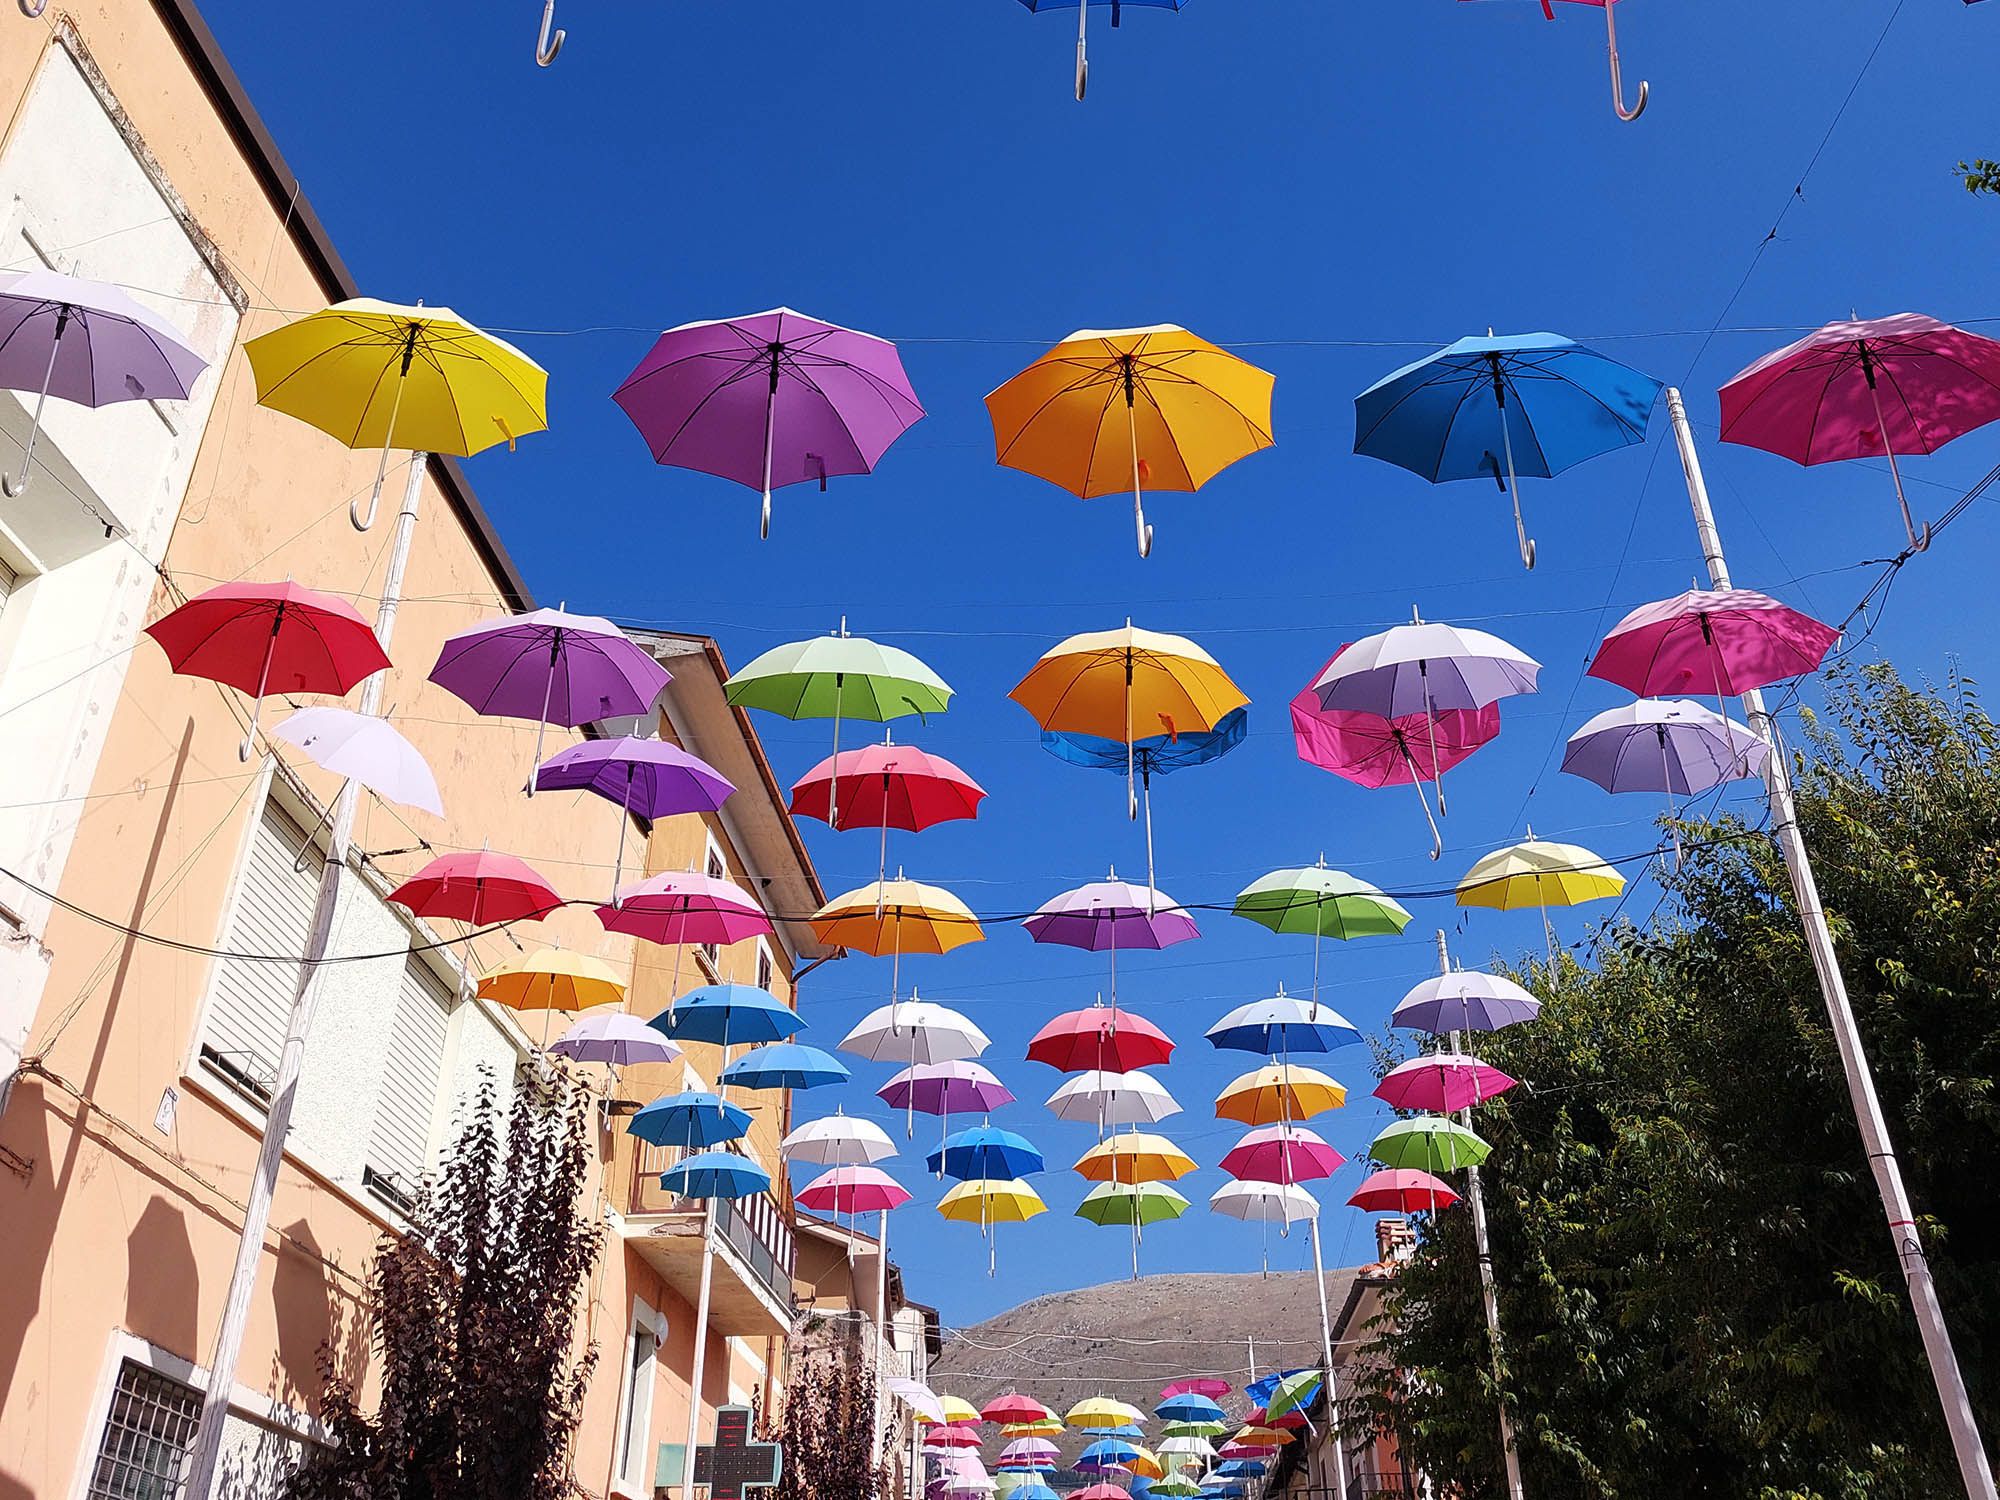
x,y
399,1144
273,915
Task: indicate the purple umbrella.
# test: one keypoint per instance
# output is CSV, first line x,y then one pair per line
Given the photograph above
x,y
549,666
85,342
615,1038
946,1089
768,400
1107,915
653,778
1464,1002
1673,746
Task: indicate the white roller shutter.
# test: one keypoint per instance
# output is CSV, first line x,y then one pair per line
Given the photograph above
x,y
273,915
399,1144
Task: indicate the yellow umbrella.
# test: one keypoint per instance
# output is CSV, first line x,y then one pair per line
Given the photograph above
x,y
1111,408
1102,1411
1263,1436
552,979
957,1409
1135,1157
370,372
895,917
1277,1092
1048,1427
987,1201
1540,874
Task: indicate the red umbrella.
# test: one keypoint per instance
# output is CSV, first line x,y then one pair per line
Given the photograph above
x,y
1015,1407
478,888
1402,1191
682,907
853,1190
1114,1041
1258,1416
1720,641
259,637
1373,751
886,786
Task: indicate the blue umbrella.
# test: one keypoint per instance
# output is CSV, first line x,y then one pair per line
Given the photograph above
x,y
726,1014
1032,1489
1489,408
1083,61
1284,1024
689,1120
1260,1392
985,1151
1221,1491
785,1065
1159,754
1125,1430
1240,1468
1189,1407
716,1174
1109,1451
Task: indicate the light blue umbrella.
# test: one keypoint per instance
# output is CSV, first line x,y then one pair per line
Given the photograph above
x,y
785,1065
1492,408
1189,1406
1032,1489
985,1151
728,1014
716,1174
689,1120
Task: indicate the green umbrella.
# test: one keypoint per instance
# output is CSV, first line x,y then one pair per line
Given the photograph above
x,y
1174,1486
1428,1144
1194,1429
1320,902
1293,1393
1133,1203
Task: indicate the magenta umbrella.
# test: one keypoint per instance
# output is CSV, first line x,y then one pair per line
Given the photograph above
x,y
853,1190
1877,387
683,907
1443,1082
1281,1153
771,399
1724,641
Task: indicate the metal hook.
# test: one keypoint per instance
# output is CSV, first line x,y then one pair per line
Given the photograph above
x,y
551,40
33,8
1617,78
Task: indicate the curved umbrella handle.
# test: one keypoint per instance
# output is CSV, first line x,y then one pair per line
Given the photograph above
x,y
549,43
1617,78
32,8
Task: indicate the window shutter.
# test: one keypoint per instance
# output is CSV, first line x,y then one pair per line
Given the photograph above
x,y
7,583
399,1145
274,911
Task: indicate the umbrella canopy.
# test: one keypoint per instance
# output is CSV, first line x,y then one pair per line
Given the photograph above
x,y
1720,641
1281,1203
363,748
1107,1451
1049,1426
682,907
551,667
769,399
1186,1446
914,1394
1259,1434
1464,1002
1201,1385
1443,1081
1429,1144
1422,667
716,1174
1105,1491
1187,1406
958,1409
1319,902
1134,1157
481,889
1015,1407
1109,915
838,1140
1129,1098
615,1038
1202,1430
1100,1039
1283,1024
1402,1191
1153,754
1032,1491
853,1190
915,1031
1131,1203
897,917
692,1119
1538,873
1372,751
1104,683
1874,387
552,979
987,1151
1677,747
1283,1153
838,677
947,1088
887,786
1102,1411
1493,408
785,1065
1110,410
729,1015
1282,1091
1175,1487
1240,1468
651,778
986,1200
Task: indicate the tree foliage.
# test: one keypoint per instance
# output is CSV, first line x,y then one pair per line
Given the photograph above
x,y
474,1313
1980,175
829,1427
1699,1295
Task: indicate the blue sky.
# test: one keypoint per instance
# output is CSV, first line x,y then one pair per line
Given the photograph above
x,y
1331,188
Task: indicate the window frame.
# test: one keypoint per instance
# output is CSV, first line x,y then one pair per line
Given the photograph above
x,y
632,1465
714,864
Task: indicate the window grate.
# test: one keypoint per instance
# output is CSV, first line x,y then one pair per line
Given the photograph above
x,y
148,1437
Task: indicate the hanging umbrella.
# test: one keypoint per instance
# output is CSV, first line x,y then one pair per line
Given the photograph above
x,y
957,1409
1124,1203
1283,1024
1721,641
784,1065
1282,1091
1160,754
945,1438
726,1015
692,1119
1145,1465
986,1151
1322,902
1035,1451
1201,1385
1428,1144
1105,682
915,1031
987,1201
1102,1411
1187,1406
1539,874
417,378
269,637
1401,1191
1015,1407
1049,1426
1100,1039
1103,1491
838,1140
946,1089
1294,1392
1240,1468
479,889
1443,1081
1133,1157
771,399
651,779
1489,408
683,907
1617,75
1284,1153
1114,1099
1107,915
549,666
914,1394
1877,386
1083,13
1185,1447
1106,1451
853,1190
1175,1487
888,786
615,1038
1108,410
552,979
716,1174
1676,747
363,748
1464,1002
1261,1435
1280,1203
895,917
1032,1492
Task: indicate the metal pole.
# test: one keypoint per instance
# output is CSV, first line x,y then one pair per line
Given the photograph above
x,y
1326,1348
1973,1468
284,1091
881,1439
700,1350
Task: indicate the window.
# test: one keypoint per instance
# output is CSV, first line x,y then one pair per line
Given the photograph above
x,y
642,1359
148,1436
252,1003
399,1145
718,869
765,972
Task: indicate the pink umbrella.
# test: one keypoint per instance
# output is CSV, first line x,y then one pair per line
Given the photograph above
x,y
1724,641
1198,1385
1282,1153
683,907
1822,399
853,1190
1445,1082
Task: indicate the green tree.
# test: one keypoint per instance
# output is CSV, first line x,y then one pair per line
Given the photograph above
x,y
1698,1294
1980,175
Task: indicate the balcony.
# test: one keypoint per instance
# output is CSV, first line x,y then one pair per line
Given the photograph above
x,y
750,1293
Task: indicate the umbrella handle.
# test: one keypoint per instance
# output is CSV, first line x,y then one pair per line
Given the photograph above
x,y
549,43
33,8
354,516
263,680
1617,79
1082,61
15,488
1918,542
1145,532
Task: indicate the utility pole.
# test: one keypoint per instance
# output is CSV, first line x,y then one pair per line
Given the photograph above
x,y
1973,1467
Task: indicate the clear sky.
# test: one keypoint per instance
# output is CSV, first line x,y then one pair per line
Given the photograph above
x,y
1328,186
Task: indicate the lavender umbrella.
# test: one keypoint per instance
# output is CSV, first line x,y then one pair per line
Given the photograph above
x,y
1673,746
1464,1002
86,342
366,749
1107,915
652,778
768,400
615,1038
549,666
945,1089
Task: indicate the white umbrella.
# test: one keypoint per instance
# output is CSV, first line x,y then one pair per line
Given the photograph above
x,y
915,1031
914,1394
838,1140
1134,1098
366,749
1185,1448
1264,1202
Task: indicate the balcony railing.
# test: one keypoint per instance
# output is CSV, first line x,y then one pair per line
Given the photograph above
x,y
755,1227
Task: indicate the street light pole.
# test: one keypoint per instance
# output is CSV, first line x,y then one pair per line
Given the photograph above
x,y
1973,1467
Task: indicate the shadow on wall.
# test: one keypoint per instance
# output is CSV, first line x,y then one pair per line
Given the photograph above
x,y
162,1285
321,1324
